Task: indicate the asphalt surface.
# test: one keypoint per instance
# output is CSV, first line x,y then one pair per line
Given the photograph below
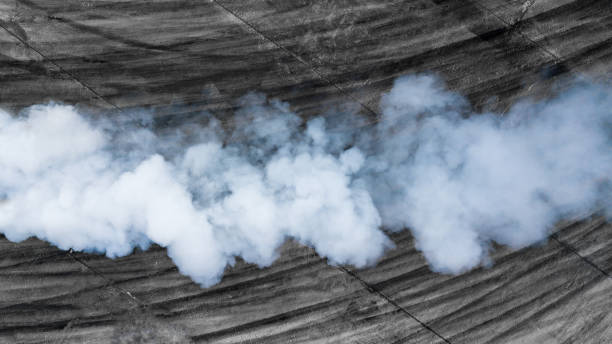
x,y
177,58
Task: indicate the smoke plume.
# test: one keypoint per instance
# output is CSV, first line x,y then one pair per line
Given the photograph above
x,y
458,180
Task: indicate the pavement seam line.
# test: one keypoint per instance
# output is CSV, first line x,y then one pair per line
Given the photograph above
x,y
586,260
309,65
389,300
109,282
61,69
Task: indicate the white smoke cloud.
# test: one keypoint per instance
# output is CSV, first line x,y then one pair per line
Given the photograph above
x,y
85,185
458,180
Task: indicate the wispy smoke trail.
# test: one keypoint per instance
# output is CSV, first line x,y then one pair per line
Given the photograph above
x,y
458,180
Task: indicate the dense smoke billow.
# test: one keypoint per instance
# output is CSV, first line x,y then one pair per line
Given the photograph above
x,y
458,180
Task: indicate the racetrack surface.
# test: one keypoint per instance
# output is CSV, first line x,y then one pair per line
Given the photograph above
x,y
177,58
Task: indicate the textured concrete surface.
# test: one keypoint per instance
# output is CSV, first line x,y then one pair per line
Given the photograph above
x,y
180,57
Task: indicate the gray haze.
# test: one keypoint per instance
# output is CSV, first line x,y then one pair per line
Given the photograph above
x,y
457,179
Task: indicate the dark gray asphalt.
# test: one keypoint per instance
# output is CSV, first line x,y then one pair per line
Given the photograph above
x,y
180,57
